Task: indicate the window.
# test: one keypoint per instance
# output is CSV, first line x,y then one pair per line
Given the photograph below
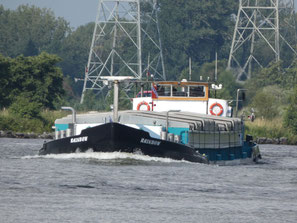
x,y
197,91
164,90
180,91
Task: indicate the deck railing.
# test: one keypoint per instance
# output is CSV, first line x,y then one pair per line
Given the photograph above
x,y
215,140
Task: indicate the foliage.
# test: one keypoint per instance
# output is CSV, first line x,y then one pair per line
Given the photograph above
x,y
265,128
273,128
35,76
194,29
18,124
12,122
274,74
185,73
269,89
40,76
275,97
290,118
74,53
4,81
93,102
100,103
229,84
264,105
124,101
30,30
290,76
24,106
264,77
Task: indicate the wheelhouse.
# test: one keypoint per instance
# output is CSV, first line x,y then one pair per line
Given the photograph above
x,y
188,96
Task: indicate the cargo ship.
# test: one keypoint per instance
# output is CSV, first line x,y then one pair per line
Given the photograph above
x,y
170,119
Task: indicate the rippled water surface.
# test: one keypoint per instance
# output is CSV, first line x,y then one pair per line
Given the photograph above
x,y
118,187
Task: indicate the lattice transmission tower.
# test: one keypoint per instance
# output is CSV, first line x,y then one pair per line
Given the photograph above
x,y
264,31
126,42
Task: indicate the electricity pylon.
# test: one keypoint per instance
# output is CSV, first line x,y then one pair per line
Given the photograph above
x,y
260,34
121,33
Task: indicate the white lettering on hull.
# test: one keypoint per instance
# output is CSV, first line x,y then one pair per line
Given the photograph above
x,y
79,139
150,142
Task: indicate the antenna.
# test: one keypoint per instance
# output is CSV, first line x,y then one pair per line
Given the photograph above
x,y
216,68
190,68
119,41
259,37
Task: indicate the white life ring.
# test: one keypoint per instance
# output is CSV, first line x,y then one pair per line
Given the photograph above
x,y
216,109
143,103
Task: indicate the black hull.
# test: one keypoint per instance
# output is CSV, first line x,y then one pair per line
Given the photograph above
x,y
113,137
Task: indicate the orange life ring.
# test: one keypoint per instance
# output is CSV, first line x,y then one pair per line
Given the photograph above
x,y
143,103
216,105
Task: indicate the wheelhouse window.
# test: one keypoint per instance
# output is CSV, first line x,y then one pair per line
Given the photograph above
x,y
181,90
197,91
164,90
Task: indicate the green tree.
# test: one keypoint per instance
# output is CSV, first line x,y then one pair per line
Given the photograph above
x,y
275,74
195,29
278,78
30,30
25,107
38,75
124,101
272,75
229,84
264,105
4,81
289,79
290,118
92,102
74,53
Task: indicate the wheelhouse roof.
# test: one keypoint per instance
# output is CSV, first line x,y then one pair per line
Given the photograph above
x,y
183,83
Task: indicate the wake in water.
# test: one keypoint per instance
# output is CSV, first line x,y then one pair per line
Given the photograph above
x,y
104,156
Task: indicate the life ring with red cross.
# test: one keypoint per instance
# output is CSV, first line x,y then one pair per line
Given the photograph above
x,y
216,109
143,103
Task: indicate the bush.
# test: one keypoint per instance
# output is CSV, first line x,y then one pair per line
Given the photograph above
x,y
271,129
24,107
266,128
290,118
18,124
15,123
265,105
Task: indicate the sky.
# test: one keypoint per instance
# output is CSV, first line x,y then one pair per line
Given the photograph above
x,y
77,12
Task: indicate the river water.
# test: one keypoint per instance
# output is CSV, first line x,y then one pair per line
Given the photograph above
x,y
120,187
